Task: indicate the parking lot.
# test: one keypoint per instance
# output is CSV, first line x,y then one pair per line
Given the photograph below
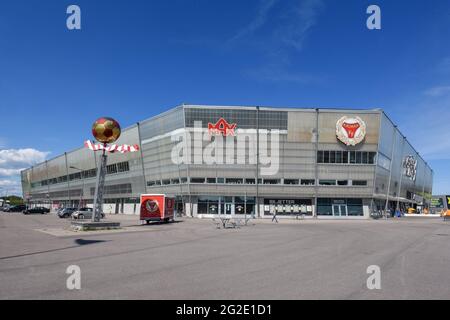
x,y
191,259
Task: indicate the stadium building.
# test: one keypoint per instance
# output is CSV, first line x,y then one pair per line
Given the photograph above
x,y
325,163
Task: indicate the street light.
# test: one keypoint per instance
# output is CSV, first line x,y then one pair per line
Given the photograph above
x,y
82,186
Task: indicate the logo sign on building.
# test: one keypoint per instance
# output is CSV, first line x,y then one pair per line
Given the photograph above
x,y
350,130
410,165
222,127
438,202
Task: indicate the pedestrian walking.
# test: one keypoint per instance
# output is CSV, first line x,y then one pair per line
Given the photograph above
x,y
274,218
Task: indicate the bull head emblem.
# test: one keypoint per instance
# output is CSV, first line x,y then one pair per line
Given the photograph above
x,y
151,206
351,128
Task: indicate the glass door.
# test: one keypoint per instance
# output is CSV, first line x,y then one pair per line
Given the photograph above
x,y
339,210
228,206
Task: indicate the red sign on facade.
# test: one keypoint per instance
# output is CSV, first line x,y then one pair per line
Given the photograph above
x,y
222,127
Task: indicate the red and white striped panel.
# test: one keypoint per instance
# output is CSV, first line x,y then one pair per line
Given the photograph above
x,y
111,148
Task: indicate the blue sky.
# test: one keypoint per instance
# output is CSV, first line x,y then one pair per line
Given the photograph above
x,y
134,59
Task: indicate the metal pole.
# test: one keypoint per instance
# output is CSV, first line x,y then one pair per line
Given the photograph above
x,y
401,175
375,171
82,185
48,186
257,164
394,142
188,175
68,179
99,188
245,207
142,157
423,185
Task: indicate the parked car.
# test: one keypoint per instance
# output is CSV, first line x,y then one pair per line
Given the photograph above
x,y
41,210
66,212
84,213
18,208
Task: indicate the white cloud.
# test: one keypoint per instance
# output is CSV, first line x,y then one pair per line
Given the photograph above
x,y
438,91
12,161
257,22
278,32
7,183
302,17
289,25
10,172
19,158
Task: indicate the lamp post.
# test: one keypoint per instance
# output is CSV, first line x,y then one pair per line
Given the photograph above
x,y
82,185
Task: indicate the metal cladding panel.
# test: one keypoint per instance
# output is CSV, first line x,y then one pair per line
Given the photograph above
x,y
301,126
394,145
39,172
83,159
57,167
162,124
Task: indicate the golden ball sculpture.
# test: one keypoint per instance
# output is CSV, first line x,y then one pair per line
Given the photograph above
x,y
106,130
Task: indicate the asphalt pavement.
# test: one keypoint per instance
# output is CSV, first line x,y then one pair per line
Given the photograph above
x,y
191,259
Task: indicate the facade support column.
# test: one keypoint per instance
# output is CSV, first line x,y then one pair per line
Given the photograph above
x,y
394,142
316,166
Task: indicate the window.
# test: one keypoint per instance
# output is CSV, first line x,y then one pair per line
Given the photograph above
x,y
352,157
326,157
210,180
250,181
234,181
320,157
183,180
90,173
271,181
358,157
372,156
327,182
290,181
197,180
123,166
332,157
359,182
112,168
342,182
208,205
75,176
365,158
151,183
324,207
307,182
175,181
338,156
355,207
165,182
220,180
344,157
